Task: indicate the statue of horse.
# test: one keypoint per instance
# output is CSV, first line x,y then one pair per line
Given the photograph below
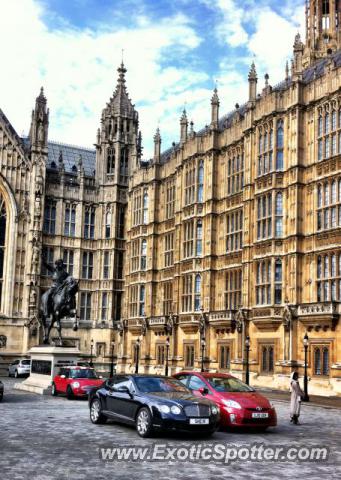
x,y
57,303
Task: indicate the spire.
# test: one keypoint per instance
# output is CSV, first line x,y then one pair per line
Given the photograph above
x,y
157,146
183,127
287,71
215,108
39,122
298,57
252,78
120,100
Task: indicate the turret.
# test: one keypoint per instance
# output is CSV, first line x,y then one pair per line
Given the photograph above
x,y
117,141
298,57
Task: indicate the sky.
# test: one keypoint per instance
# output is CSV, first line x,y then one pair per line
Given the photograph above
x,y
175,52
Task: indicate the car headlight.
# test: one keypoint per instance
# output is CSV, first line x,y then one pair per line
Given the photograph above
x,y
214,410
164,408
76,384
176,410
231,404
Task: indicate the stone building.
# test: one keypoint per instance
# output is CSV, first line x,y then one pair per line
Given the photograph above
x,y
231,235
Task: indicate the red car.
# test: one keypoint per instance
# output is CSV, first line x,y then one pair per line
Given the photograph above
x,y
240,405
75,381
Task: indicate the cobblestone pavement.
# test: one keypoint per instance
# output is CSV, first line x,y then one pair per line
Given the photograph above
x,y
44,438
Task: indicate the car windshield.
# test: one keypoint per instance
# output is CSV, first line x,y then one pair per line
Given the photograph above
x,y
26,362
151,384
83,373
228,384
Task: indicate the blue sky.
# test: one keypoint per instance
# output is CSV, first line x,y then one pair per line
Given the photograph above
x,y
174,50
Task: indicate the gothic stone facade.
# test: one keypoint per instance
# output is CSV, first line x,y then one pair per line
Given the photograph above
x,y
234,232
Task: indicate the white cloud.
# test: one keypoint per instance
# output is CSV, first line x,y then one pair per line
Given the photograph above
x,y
78,70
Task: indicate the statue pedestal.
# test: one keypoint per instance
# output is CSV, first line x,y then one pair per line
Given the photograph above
x,y
45,363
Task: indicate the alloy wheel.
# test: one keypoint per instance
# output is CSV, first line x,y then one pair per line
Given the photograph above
x,y
95,411
142,422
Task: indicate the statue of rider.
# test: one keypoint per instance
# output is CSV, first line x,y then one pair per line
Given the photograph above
x,y
59,275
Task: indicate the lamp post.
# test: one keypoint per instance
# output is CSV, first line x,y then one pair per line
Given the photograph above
x,y
306,344
247,350
137,354
167,354
203,345
91,350
112,359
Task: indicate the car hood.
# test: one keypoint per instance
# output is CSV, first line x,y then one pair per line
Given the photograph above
x,y
247,399
182,398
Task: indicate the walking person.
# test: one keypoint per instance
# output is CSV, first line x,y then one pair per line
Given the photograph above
x,y
295,400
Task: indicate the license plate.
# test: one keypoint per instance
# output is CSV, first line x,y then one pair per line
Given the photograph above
x,y
260,415
199,421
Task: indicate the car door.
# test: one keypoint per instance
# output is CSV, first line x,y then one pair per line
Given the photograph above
x,y
63,382
121,403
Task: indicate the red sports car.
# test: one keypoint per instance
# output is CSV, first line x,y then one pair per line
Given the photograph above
x,y
240,405
75,381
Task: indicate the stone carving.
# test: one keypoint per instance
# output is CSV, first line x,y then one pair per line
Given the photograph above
x,y
3,341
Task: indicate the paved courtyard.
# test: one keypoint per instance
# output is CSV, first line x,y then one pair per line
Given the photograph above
x,y
44,438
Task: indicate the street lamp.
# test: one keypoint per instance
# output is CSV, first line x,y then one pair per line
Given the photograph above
x,y
112,359
203,345
91,350
167,354
306,344
137,354
247,350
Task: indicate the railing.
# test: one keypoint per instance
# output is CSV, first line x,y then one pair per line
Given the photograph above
x,y
329,308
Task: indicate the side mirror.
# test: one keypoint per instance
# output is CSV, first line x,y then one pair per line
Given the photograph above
x,y
203,390
123,389
62,376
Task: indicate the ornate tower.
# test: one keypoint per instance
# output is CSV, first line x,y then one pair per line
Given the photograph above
x,y
117,140
323,18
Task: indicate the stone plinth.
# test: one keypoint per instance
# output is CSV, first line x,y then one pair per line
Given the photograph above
x,y
45,363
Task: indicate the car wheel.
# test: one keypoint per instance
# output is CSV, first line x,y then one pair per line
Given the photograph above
x,y
144,425
16,375
54,392
69,393
96,415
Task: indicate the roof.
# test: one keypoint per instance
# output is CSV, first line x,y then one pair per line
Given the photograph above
x,y
309,74
70,155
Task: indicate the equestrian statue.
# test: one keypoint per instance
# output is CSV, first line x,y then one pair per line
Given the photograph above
x,y
59,300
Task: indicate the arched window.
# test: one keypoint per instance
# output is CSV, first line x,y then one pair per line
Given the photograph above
x,y
317,361
200,182
333,192
197,293
111,161
264,359
279,215
319,196
143,254
334,120
320,126
326,194
326,124
278,281
141,300
280,145
199,238
325,361
319,267
145,207
3,218
107,224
